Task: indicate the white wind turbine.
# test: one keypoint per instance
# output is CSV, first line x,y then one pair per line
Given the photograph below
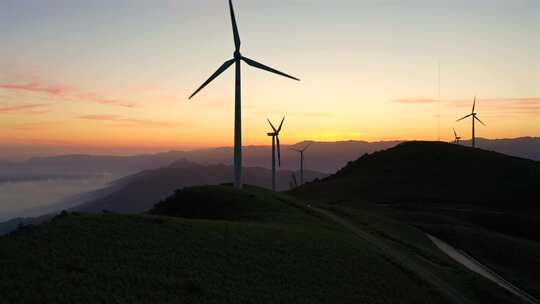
x,y
301,151
456,137
275,138
474,118
237,59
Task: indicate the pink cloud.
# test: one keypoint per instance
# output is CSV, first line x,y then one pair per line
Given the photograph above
x,y
55,90
37,126
416,100
104,100
503,106
128,122
66,92
493,106
28,108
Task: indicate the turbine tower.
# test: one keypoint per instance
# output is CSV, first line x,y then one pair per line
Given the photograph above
x,y
302,162
275,137
474,116
456,137
237,59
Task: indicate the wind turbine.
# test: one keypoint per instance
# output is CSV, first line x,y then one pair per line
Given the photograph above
x,y
301,151
237,59
456,137
275,137
474,117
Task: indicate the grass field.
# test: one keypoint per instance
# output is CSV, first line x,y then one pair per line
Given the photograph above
x,y
421,187
290,257
412,242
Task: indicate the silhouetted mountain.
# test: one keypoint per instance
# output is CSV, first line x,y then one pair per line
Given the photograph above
x,y
433,172
107,163
321,156
141,191
84,166
525,147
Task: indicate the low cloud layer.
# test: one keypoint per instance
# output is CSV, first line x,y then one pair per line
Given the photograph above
x,y
125,121
65,92
37,108
511,105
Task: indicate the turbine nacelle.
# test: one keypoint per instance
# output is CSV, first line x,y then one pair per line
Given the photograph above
x,y
237,56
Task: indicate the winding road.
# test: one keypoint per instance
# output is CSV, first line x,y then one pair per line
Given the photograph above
x,y
453,294
412,266
475,266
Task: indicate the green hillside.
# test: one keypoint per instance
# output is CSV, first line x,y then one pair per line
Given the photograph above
x,y
482,202
225,203
272,249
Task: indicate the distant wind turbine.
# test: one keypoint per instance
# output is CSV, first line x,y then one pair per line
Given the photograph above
x,y
456,137
294,183
474,117
237,101
302,161
275,137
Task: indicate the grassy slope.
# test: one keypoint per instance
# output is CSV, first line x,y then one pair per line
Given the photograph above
x,y
503,234
292,258
517,259
412,242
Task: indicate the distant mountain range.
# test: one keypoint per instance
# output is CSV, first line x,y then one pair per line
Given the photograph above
x,y
141,191
321,156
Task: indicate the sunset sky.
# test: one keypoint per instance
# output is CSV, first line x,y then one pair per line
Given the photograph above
x,y
116,74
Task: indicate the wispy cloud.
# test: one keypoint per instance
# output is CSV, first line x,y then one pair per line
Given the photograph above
x,y
495,106
104,100
56,90
65,92
36,126
416,100
525,100
37,108
270,112
129,122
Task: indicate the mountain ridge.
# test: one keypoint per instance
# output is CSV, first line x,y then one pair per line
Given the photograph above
x,y
433,172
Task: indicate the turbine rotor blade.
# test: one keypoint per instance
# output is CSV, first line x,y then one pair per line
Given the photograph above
x,y
464,117
221,69
261,66
306,147
479,120
455,134
236,35
273,128
474,104
280,125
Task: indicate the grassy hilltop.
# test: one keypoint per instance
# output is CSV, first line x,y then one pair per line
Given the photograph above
x,y
214,244
274,252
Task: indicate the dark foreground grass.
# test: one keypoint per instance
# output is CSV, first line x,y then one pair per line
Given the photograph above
x,y
517,259
492,214
412,241
109,258
223,202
